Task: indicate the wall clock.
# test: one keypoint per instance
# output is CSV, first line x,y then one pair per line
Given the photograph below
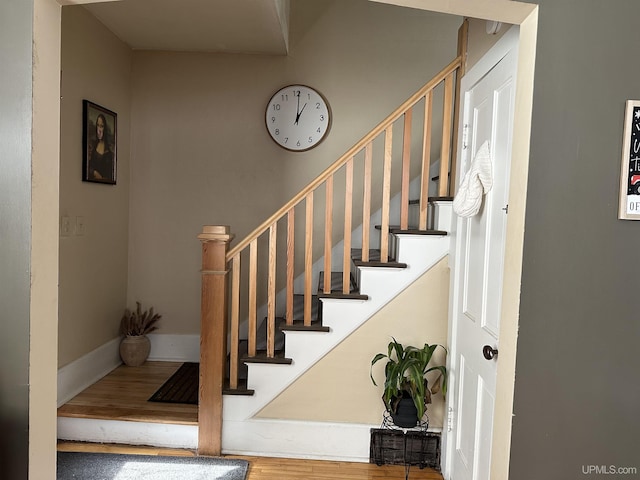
x,y
298,117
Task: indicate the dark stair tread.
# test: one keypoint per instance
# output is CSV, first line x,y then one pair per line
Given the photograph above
x,y
261,336
395,229
241,390
346,296
437,177
370,263
299,326
261,357
374,259
298,308
431,199
336,283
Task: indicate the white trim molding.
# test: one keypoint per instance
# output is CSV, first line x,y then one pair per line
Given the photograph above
x,y
87,370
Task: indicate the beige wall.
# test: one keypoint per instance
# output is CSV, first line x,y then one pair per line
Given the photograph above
x,y
201,154
93,267
338,387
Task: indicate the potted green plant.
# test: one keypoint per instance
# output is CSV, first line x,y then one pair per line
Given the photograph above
x,y
134,326
406,385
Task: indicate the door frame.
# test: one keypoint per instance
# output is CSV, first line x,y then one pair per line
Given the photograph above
x,y
42,413
508,43
525,15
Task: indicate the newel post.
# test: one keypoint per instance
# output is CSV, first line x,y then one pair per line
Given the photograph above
x,y
213,336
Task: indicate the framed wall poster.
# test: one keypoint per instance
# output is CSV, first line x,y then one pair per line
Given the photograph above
x,y
629,207
99,140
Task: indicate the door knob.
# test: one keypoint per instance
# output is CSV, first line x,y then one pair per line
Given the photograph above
x,y
488,352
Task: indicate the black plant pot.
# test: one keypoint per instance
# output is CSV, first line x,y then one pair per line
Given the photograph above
x,y
406,415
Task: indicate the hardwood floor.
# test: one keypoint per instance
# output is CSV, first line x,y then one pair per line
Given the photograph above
x,y
123,394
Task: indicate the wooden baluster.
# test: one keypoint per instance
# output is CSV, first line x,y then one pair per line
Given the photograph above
x,y
235,321
308,258
348,208
253,277
328,231
213,337
426,160
445,150
271,292
386,194
406,166
366,201
290,263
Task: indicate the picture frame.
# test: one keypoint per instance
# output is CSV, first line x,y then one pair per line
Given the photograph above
x,y
99,143
629,206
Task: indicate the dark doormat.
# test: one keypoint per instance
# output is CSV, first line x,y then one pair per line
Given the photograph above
x,y
107,466
182,387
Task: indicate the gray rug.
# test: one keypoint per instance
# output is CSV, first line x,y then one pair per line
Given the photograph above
x,y
107,466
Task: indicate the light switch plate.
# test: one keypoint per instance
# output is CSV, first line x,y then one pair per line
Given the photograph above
x,y
65,226
79,225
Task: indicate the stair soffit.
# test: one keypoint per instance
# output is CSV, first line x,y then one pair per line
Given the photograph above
x,y
221,26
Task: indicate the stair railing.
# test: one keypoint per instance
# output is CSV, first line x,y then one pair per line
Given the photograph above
x,y
285,218
326,178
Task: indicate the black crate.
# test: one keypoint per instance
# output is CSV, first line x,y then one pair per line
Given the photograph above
x,y
398,447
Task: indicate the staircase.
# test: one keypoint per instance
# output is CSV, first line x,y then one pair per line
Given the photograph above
x,y
374,242
298,348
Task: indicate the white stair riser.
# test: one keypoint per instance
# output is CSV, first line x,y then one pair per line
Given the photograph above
x,y
130,433
442,212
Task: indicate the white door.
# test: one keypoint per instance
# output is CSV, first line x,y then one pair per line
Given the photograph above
x,y
478,261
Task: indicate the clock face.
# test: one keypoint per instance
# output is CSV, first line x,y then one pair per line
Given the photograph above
x,y
298,117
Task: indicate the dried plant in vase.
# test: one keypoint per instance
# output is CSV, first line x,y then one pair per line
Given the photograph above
x,y
135,325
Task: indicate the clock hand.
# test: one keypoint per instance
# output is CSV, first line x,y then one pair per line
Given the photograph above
x,y
298,112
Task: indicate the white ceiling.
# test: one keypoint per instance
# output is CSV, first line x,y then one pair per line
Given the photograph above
x,y
233,26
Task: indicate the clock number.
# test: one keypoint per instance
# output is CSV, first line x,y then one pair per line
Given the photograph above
x,y
296,93
276,106
318,130
310,140
285,97
273,119
298,144
317,105
322,118
277,132
286,139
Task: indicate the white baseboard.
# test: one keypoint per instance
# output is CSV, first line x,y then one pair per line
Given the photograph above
x,y
341,442
267,438
88,369
294,439
174,348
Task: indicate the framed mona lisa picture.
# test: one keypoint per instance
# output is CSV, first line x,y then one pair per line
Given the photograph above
x,y
99,140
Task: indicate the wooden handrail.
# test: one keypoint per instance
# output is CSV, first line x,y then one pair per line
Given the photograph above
x,y
335,166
